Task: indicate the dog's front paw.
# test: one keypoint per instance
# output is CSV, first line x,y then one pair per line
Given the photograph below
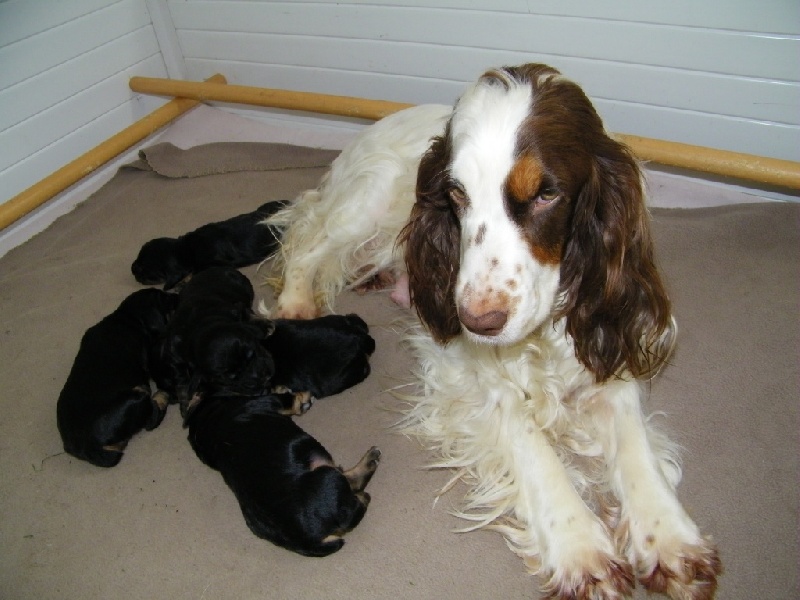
x,y
606,578
685,572
296,310
669,552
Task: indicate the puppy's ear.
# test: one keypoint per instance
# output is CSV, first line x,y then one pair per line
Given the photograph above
x,y
177,281
190,399
174,278
432,241
263,328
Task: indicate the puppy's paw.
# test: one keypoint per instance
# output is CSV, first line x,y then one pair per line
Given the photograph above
x,y
373,457
358,477
295,403
160,401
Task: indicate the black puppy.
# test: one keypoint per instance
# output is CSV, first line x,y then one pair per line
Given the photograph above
x,y
288,487
214,342
322,356
106,398
235,242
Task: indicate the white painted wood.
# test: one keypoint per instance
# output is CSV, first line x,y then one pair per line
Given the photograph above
x,y
51,47
724,75
167,38
64,83
45,90
698,72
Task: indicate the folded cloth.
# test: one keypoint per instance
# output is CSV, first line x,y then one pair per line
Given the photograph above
x,y
227,157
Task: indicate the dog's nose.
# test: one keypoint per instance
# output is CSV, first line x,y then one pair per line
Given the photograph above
x,y
489,323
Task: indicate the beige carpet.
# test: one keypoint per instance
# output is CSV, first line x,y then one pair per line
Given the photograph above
x,y
162,525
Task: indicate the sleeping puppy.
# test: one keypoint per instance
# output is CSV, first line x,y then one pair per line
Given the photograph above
x,y
322,356
106,398
288,487
236,242
214,342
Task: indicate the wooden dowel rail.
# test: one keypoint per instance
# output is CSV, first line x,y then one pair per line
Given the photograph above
x,y
759,169
55,183
187,94
343,106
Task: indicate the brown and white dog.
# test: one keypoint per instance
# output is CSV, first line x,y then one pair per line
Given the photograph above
x,y
520,228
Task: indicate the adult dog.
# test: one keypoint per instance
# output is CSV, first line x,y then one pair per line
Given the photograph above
x,y
521,227
106,399
236,242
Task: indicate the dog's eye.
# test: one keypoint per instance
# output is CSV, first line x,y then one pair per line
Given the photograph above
x,y
547,195
457,196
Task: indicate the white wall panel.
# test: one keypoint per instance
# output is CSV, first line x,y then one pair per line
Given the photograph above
x,y
64,81
720,74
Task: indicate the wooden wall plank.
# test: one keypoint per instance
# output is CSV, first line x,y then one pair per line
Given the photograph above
x,y
64,85
673,66
46,89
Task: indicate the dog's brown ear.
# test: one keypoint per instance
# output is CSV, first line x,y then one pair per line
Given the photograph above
x,y
616,307
432,242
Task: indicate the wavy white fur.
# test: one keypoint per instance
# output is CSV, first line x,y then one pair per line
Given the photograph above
x,y
371,185
528,430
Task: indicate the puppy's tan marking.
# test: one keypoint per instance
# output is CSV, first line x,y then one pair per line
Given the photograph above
x,y
358,477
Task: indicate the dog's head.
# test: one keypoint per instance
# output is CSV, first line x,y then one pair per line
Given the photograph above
x,y
528,211
219,286
323,356
230,357
161,261
151,309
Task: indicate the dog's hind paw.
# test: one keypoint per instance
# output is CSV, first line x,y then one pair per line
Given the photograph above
x,y
160,401
295,403
358,477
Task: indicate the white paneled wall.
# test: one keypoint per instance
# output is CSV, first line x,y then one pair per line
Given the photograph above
x,y
724,74
713,73
64,70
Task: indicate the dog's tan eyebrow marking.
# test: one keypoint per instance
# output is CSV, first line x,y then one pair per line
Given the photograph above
x,y
524,179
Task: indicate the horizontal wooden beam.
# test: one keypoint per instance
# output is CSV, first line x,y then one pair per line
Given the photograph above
x,y
747,167
55,183
343,106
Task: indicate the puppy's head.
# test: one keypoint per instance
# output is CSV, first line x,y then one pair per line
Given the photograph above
x,y
230,358
330,509
160,261
151,309
219,284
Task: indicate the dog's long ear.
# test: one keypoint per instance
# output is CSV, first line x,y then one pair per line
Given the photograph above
x,y
432,245
616,308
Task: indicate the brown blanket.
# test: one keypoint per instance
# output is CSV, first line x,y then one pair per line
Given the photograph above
x,y
163,525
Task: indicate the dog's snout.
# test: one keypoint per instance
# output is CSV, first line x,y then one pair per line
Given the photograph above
x,y
487,323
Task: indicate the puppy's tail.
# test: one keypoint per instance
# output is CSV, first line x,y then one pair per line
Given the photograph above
x,y
105,456
100,456
324,548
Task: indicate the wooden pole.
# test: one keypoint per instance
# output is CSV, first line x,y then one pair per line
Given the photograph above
x,y
759,169
763,170
343,106
39,193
